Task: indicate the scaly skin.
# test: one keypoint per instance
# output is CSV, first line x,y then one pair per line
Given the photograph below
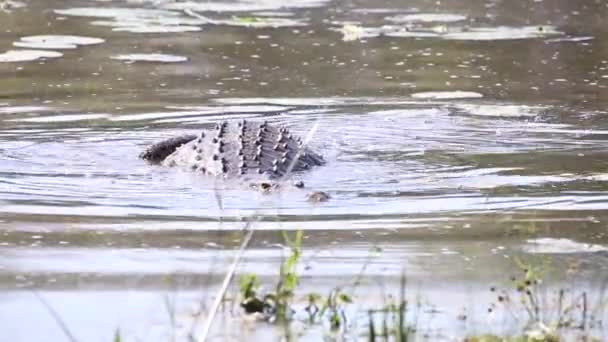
x,y
244,149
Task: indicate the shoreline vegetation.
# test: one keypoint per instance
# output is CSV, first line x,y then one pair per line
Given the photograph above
x,y
534,313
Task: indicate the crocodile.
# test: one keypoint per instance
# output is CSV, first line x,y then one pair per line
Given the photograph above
x,y
259,152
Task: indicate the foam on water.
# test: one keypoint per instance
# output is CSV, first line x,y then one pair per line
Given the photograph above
x,y
561,246
427,18
27,55
56,42
150,57
447,95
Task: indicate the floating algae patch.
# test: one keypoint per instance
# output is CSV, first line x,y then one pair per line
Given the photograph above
x,y
56,42
138,20
182,16
427,18
242,5
27,55
150,57
352,31
275,14
260,22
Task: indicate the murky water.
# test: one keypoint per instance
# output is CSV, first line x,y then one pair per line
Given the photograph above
x,y
460,136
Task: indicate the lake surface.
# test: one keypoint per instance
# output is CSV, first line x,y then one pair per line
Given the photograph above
x,y
462,137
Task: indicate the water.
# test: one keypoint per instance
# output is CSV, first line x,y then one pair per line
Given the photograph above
x,y
460,138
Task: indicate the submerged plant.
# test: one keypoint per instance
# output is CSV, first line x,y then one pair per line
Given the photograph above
x,y
288,278
249,286
334,308
393,320
546,319
117,336
275,305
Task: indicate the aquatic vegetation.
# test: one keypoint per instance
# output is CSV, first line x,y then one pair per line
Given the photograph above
x,y
275,305
453,147
393,320
543,321
117,336
259,22
278,306
562,313
525,338
184,16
